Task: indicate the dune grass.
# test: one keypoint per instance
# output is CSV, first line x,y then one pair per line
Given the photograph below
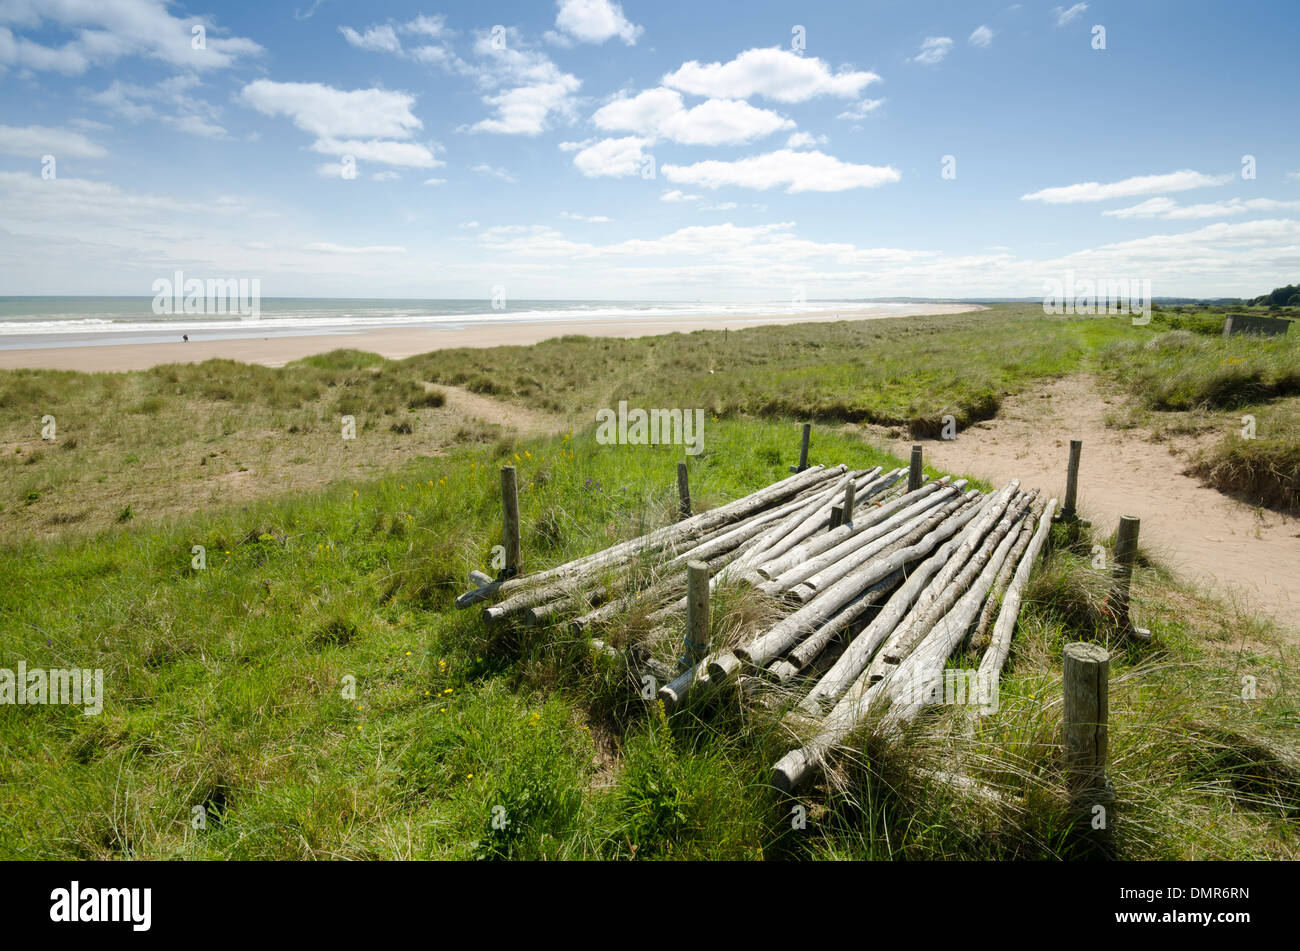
x,y
1221,383
227,689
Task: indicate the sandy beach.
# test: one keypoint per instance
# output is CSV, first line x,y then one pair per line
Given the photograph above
x,y
397,343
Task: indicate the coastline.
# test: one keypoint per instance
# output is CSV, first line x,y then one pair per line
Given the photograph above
x,y
400,342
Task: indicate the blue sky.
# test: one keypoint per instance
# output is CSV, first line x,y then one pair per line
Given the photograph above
x,y
510,144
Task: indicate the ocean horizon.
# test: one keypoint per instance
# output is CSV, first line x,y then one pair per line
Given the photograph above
x,y
56,321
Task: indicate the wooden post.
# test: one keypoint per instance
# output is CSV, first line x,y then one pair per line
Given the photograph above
x,y
914,473
850,492
683,491
1072,480
1126,541
697,613
1087,709
803,449
510,520
837,516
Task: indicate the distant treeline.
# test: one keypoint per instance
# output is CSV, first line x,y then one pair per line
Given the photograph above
x,y
1288,296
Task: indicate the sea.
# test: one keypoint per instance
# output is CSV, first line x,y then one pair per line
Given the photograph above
x,y
31,322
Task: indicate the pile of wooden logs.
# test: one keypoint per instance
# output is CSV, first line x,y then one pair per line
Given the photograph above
x,y
876,579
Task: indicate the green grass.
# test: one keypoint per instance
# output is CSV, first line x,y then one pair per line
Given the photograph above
x,y
1219,382
225,689
908,372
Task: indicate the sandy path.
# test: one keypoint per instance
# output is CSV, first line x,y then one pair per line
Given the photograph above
x,y
521,419
1252,556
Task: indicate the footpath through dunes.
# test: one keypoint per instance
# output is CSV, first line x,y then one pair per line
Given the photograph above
x,y
523,420
1252,555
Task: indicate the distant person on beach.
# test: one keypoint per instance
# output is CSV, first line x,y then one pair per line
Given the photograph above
x,y
185,337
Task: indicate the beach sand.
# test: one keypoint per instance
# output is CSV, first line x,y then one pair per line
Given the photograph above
x,y
402,342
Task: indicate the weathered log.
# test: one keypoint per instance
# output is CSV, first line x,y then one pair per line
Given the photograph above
x,y
693,527
1000,644
825,569
855,659
979,639
620,554
774,568
909,634
760,651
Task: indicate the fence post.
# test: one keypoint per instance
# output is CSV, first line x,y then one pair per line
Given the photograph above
x,y
1068,510
1126,543
803,449
683,491
914,473
510,520
697,612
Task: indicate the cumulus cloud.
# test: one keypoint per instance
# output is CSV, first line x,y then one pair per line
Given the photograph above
x,y
376,39
774,73
108,30
590,219
1181,180
34,141
595,21
369,124
613,158
981,36
660,113
933,50
526,87
676,195
1170,210
860,110
805,140
796,170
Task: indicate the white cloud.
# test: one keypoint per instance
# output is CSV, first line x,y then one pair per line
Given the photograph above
x,y
498,173
1170,210
34,141
933,50
184,111
386,176
615,158
379,39
798,171
860,110
107,30
660,113
805,140
678,195
531,87
773,73
329,248
590,219
433,27
435,181
595,21
1064,16
720,206
981,36
364,123
1293,176
1181,180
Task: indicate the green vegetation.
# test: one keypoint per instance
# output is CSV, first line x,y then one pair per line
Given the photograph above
x,y
227,685
899,372
1224,381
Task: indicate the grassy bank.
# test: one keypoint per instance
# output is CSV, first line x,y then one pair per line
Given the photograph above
x,y
225,690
